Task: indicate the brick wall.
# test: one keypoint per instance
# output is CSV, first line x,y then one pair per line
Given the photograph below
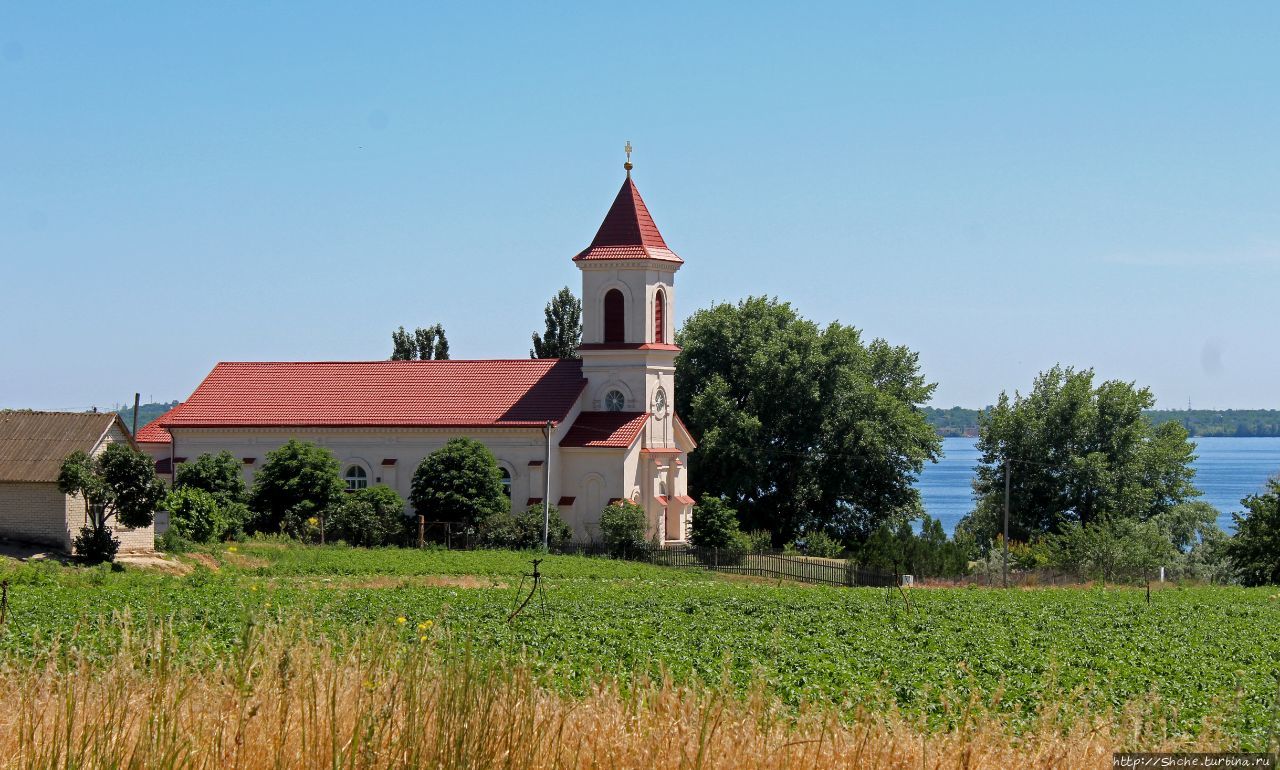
x,y
131,540
35,512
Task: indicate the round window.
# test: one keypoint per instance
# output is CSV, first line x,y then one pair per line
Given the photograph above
x,y
614,401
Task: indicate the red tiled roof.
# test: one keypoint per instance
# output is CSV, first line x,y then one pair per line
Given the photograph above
x,y
605,429
153,432
686,499
500,393
628,231
662,500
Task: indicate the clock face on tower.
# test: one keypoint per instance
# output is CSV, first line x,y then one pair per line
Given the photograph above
x,y
659,401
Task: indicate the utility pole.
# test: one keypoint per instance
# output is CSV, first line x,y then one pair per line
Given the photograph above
x,y
136,397
1007,463
546,496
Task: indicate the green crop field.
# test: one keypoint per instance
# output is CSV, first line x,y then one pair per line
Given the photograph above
x,y
1194,653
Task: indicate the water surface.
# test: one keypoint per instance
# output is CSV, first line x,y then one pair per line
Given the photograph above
x,y
1227,469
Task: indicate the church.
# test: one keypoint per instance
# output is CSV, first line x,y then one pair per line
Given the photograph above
x,y
613,429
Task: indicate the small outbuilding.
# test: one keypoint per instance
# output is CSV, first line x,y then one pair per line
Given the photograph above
x,y
33,446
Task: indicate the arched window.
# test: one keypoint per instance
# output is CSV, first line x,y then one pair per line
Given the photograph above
x,y
614,401
659,327
614,316
506,482
356,478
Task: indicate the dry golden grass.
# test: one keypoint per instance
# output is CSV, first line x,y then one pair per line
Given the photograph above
x,y
284,700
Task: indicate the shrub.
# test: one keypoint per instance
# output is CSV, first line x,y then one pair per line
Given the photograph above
x,y
757,541
172,542
460,482
715,524
1111,549
818,544
195,514
95,545
623,527
298,481
368,517
524,530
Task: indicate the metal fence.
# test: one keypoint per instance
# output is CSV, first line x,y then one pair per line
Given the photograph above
x,y
776,565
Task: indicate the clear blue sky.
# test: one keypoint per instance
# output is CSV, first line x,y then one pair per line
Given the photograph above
x,y
999,186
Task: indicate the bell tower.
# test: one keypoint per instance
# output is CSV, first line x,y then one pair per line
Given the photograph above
x,y
628,345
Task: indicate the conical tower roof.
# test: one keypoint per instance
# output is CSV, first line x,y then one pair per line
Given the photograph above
x,y
628,231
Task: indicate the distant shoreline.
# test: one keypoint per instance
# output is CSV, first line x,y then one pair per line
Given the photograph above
x,y
1200,423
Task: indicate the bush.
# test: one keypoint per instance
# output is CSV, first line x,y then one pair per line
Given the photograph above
x,y
523,530
715,524
623,527
95,545
460,482
298,481
220,475
195,515
1112,549
368,517
818,544
172,542
756,541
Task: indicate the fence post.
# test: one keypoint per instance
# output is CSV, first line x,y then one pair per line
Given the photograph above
x,y
321,529
715,556
422,531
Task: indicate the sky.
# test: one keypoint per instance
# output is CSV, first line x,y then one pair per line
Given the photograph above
x,y
998,186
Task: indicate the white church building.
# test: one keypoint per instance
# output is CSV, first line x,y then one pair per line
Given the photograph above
x,y
614,431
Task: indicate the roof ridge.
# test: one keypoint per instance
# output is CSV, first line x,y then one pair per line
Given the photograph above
x,y
551,361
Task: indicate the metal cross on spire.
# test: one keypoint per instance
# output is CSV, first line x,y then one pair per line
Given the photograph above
x,y
628,165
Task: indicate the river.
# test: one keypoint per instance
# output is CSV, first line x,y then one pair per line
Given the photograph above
x,y
1227,469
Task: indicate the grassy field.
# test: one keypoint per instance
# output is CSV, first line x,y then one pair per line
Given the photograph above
x,y
1195,664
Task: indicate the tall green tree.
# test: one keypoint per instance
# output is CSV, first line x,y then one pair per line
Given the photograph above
x,y
1078,452
120,483
404,346
425,344
460,482
298,481
563,334
221,475
802,427
1254,552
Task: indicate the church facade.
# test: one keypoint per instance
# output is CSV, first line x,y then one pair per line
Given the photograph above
x,y
613,430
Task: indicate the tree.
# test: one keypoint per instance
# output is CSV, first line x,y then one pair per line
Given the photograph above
x,y
368,517
800,427
623,527
120,483
1078,453
1187,525
218,474
298,481
1254,552
424,344
523,530
715,524
898,548
404,346
441,352
460,482
563,334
